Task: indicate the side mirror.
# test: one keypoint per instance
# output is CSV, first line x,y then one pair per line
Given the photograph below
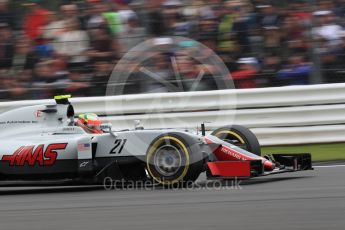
x,y
138,125
107,129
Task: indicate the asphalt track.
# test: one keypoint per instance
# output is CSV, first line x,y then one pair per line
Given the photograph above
x,y
303,200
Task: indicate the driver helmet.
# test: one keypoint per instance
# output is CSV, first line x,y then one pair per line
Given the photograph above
x,y
90,122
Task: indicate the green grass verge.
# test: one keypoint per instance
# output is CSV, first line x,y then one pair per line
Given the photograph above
x,y
320,152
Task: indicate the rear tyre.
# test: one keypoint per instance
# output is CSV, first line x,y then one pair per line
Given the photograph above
x,y
174,160
239,136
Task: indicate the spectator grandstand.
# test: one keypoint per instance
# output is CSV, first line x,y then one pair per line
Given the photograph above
x,y
62,46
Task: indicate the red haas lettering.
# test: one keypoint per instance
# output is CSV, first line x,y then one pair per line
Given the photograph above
x,y
51,155
32,155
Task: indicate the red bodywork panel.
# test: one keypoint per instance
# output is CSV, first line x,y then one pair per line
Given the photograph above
x,y
230,168
226,153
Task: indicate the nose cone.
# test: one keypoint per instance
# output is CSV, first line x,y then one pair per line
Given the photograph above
x,y
269,165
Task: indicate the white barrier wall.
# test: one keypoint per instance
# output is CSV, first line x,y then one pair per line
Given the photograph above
x,y
282,115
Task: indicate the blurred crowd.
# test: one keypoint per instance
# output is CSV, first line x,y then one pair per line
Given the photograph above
x,y
73,49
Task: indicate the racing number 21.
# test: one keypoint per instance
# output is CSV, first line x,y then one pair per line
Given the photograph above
x,y
118,147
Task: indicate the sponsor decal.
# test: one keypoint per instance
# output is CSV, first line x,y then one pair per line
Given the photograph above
x,y
83,164
68,129
32,155
233,153
84,147
38,113
18,122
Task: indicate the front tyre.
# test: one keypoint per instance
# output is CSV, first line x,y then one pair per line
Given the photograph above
x,y
240,136
172,159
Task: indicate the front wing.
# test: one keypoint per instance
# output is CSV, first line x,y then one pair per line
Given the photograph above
x,y
254,168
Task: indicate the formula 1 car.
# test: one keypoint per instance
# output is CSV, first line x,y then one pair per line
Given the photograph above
x,y
42,142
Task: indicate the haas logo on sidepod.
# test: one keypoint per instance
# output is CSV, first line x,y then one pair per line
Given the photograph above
x,y
32,155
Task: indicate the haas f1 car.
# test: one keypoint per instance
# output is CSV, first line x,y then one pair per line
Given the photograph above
x,y
43,142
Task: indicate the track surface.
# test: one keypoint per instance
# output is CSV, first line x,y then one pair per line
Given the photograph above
x,y
304,200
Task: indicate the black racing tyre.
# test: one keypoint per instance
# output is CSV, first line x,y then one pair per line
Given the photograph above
x,y
174,159
240,136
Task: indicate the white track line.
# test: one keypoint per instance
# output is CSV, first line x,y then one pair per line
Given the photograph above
x,y
328,166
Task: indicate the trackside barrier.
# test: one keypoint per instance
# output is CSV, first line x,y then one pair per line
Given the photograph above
x,y
280,115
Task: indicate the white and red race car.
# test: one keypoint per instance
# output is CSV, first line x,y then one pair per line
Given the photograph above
x,y
42,142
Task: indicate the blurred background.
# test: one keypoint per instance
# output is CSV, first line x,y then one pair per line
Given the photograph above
x,y
61,46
